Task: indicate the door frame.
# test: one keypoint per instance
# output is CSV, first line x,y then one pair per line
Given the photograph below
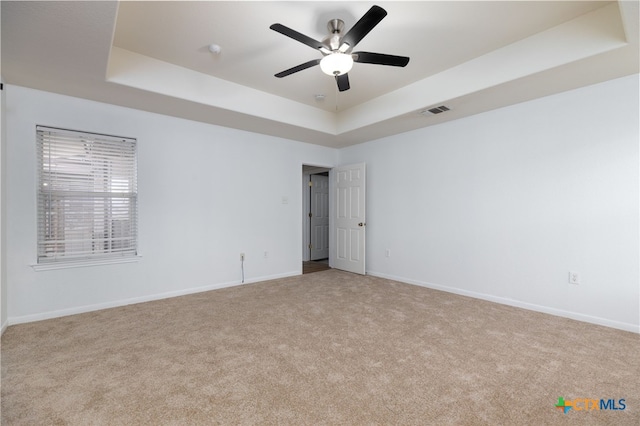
x,y
306,223
307,170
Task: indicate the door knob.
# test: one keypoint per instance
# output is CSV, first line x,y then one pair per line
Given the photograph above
x,y
361,224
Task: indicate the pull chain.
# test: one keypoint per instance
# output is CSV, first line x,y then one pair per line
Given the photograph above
x,y
336,89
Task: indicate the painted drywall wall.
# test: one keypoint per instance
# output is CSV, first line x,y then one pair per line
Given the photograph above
x,y
502,205
206,194
499,206
3,215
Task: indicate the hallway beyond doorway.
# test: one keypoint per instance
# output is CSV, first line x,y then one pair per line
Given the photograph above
x,y
315,266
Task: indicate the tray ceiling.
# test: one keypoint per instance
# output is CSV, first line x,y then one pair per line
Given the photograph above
x,y
470,56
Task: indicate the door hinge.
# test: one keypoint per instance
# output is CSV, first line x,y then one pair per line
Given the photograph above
x,y
310,214
310,246
310,183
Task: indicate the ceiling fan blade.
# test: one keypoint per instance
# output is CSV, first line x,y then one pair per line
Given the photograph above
x,y
298,68
380,59
364,25
343,82
296,36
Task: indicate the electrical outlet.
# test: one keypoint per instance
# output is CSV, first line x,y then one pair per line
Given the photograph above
x,y
387,253
574,277
241,257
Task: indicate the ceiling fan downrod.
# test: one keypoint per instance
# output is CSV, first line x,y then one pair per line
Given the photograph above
x,y
335,27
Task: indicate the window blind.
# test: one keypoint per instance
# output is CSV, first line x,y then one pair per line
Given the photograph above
x,y
87,196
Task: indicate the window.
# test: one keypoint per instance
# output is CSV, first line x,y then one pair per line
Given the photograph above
x,y
87,196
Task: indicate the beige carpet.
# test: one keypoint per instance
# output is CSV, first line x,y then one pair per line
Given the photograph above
x,y
323,348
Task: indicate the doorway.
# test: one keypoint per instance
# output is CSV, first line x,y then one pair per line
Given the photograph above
x,y
315,250
343,205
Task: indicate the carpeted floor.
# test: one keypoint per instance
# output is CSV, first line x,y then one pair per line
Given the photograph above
x,y
324,348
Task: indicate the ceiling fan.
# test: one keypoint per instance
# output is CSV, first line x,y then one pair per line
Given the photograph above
x,y
337,49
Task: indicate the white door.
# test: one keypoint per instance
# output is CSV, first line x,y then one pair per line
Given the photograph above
x,y
349,218
319,217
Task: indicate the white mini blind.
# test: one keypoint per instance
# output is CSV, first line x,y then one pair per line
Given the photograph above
x,y
87,196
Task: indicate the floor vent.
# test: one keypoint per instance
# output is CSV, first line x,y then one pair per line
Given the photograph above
x,y
434,110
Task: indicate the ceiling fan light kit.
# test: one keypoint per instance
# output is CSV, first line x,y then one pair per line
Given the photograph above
x,y
337,50
336,63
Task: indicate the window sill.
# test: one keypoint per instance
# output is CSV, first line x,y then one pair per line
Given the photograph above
x,y
83,263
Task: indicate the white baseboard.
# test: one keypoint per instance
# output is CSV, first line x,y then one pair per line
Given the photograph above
x,y
114,304
4,327
634,328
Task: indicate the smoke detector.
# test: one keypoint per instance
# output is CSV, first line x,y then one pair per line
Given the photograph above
x,y
215,49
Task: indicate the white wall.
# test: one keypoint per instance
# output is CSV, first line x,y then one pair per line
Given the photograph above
x,y
206,193
3,270
498,206
3,215
503,204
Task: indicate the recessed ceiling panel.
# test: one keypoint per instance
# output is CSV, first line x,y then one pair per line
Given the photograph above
x,y
435,35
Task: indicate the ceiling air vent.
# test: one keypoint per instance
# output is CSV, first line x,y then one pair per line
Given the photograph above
x,y
434,110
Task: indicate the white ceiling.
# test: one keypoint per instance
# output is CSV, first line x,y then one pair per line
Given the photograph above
x,y
470,56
